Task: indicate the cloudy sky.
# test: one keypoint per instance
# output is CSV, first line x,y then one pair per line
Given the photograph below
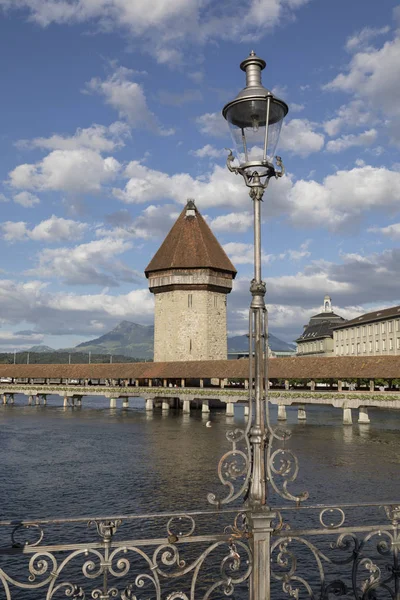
x,y
111,119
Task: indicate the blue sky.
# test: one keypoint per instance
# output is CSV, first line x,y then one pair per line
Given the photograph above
x,y
111,119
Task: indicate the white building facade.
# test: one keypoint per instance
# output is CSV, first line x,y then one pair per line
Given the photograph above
x,y
373,334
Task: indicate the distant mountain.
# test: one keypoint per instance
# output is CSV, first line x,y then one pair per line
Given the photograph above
x,y
41,348
240,343
126,338
136,341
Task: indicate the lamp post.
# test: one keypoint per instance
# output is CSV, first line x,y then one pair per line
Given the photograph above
x,y
255,119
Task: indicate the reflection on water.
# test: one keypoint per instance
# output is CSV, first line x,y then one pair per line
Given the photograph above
x,y
58,461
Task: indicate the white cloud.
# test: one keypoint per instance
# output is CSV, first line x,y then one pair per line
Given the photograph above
x,y
361,39
97,137
13,231
342,197
298,136
165,27
370,75
348,141
353,114
81,170
54,229
67,313
213,124
94,263
26,199
243,254
302,252
3,198
218,188
154,222
294,107
392,231
339,200
232,222
128,98
209,151
196,76
10,340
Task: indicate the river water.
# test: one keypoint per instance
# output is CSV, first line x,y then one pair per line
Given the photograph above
x,y
93,461
68,462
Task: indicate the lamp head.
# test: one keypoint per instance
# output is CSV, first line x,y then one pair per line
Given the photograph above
x,y
255,118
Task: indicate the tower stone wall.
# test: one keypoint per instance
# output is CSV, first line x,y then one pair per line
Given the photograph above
x,y
190,276
190,325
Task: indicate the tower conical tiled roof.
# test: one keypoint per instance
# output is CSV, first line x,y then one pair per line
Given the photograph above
x,y
190,244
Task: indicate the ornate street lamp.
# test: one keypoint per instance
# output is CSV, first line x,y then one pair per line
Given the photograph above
x,y
255,119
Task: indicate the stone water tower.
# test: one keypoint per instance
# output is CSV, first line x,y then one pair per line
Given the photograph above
x,y
190,276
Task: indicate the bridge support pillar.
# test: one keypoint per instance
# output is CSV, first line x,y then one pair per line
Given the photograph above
x,y
347,416
78,401
205,409
363,415
186,407
65,403
37,400
44,399
125,403
246,410
30,400
165,404
301,413
230,409
149,405
281,412
4,398
113,403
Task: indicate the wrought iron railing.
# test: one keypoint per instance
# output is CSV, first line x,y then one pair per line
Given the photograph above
x,y
316,552
325,551
129,557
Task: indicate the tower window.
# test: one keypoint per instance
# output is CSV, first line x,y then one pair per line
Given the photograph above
x,y
190,300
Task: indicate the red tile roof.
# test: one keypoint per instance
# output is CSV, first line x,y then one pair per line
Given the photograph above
x,y
311,367
190,244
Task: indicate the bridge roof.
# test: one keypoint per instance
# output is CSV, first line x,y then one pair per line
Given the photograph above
x,y
190,244
310,367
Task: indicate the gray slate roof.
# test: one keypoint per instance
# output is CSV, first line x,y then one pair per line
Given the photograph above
x,y
320,326
377,315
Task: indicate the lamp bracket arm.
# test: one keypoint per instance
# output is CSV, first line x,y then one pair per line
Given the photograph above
x,y
279,164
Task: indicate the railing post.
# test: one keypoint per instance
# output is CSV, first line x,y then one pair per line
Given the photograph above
x,y
260,530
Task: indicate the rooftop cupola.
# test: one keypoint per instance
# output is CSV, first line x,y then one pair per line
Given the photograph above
x,y
190,208
327,304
